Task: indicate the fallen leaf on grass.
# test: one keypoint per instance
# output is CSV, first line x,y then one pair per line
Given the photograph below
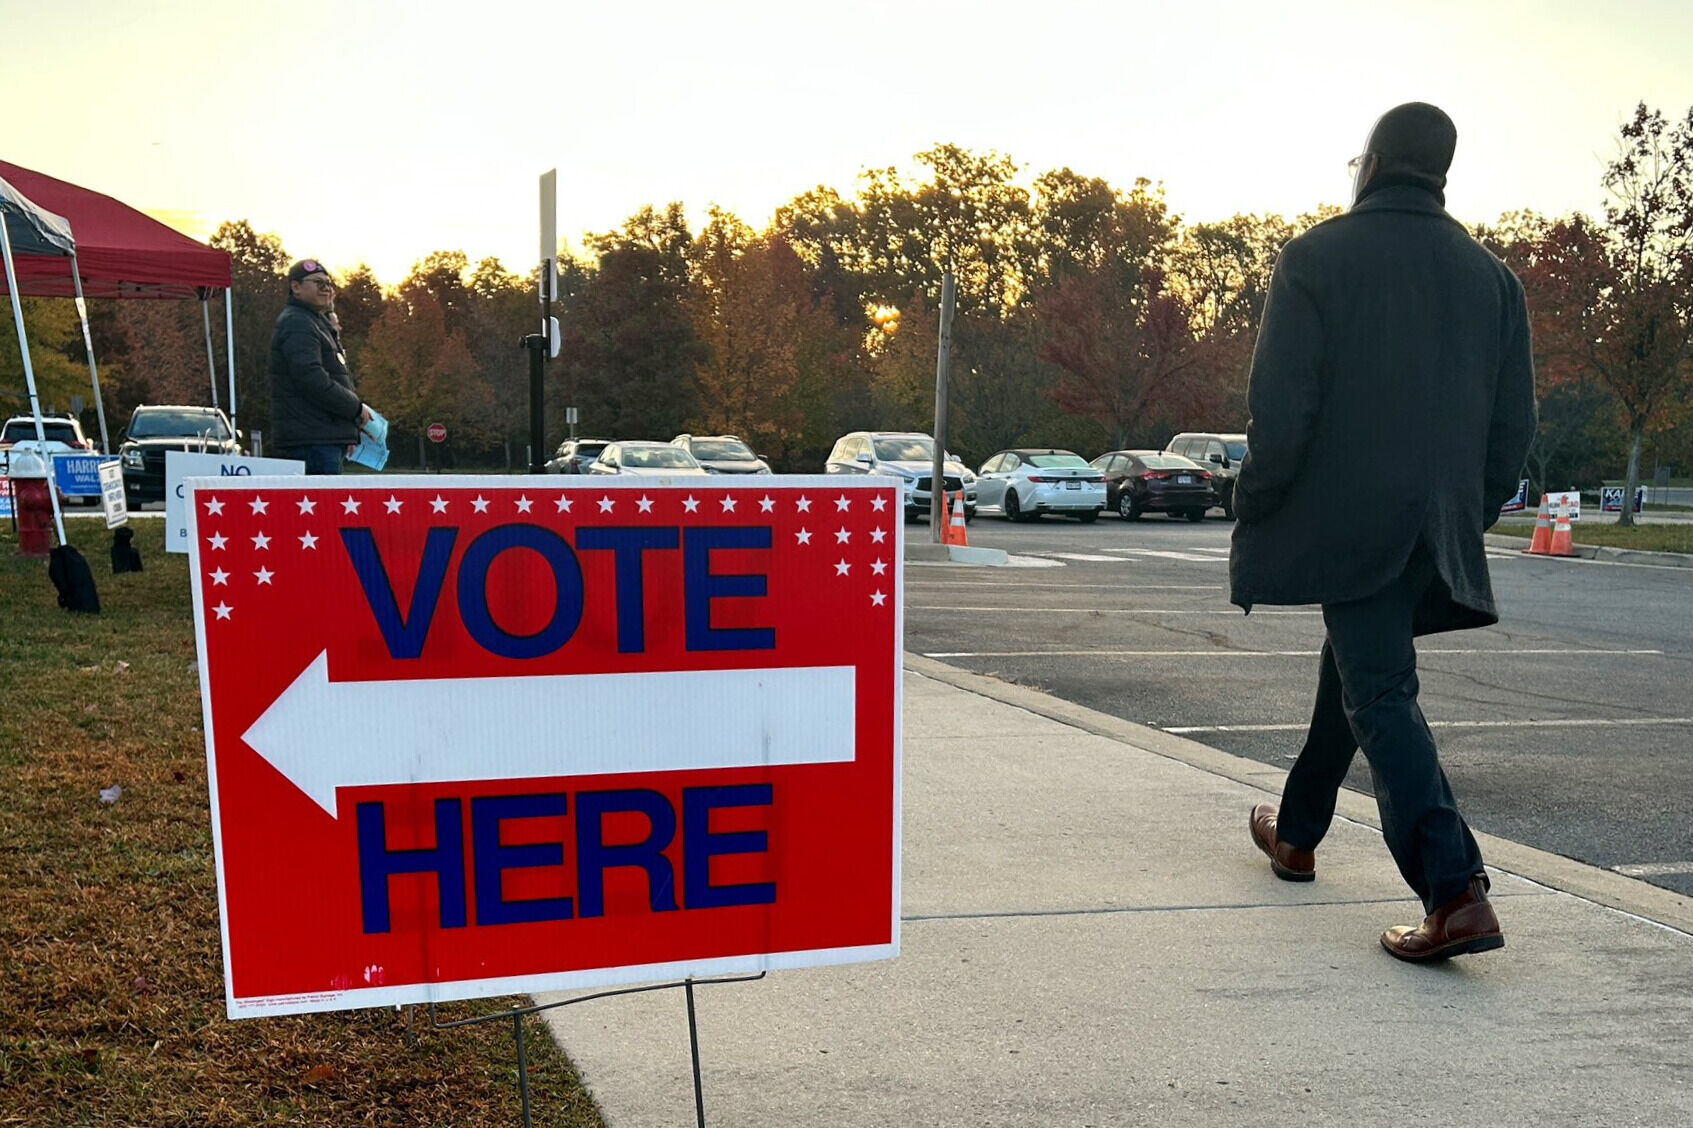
x,y
318,1074
141,986
122,666
178,777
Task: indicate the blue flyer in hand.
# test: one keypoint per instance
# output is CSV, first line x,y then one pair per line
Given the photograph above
x,y
372,450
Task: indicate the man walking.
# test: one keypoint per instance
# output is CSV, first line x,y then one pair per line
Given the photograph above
x,y
1392,404
314,412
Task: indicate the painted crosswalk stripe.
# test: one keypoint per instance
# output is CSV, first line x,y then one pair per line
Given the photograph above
x,y
1220,653
1103,610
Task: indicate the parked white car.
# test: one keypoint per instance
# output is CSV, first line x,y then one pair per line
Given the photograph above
x,y
1023,484
647,460
908,456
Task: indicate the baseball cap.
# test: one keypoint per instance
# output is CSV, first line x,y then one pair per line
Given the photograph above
x,y
303,269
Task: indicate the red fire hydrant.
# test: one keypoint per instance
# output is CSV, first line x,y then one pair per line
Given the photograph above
x,y
34,504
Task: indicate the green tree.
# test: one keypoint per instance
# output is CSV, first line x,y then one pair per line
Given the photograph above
x,y
630,347
259,269
55,353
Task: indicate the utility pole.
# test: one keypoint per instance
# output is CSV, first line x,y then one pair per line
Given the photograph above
x,y
544,344
943,364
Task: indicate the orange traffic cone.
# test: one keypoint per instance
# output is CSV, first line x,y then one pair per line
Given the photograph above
x,y
956,531
1541,545
1563,544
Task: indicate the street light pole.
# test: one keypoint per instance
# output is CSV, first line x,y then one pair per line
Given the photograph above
x,y
943,364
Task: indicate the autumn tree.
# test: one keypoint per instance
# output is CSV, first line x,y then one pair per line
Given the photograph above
x,y
163,349
630,348
417,372
358,303
1614,298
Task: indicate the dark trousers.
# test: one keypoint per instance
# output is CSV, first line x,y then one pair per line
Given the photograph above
x,y
320,458
1367,698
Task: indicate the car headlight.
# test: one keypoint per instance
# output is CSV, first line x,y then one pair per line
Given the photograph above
x,y
132,460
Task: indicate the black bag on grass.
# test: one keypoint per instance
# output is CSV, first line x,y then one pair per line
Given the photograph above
x,y
70,573
125,556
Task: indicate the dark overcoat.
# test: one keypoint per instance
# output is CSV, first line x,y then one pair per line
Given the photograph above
x,y
1391,402
312,400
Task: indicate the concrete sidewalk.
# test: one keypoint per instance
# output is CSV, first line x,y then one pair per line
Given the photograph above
x,y
1089,938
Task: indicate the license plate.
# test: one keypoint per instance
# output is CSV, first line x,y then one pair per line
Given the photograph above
x,y
1072,485
1185,479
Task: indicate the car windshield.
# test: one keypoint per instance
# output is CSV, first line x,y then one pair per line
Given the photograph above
x,y
724,450
589,450
658,458
1168,462
1237,451
905,448
1057,460
177,424
19,430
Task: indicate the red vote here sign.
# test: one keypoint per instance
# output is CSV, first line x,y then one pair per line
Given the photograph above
x,y
475,736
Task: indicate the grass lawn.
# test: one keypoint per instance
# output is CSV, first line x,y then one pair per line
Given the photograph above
x,y
111,968
1652,538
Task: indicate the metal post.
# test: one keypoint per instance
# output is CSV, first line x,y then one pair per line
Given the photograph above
x,y
211,357
943,364
694,1054
229,340
29,379
88,343
537,344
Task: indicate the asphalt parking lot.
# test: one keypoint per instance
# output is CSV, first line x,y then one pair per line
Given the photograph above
x,y
1568,727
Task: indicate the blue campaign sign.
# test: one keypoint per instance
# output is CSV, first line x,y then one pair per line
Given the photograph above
x,y
1519,502
78,475
1610,498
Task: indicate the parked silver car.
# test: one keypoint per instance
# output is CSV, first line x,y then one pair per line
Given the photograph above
x,y
1023,484
646,460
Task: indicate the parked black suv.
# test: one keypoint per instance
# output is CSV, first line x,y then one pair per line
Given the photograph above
x,y
1219,453
156,428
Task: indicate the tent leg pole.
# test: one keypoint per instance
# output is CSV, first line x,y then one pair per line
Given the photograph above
x,y
93,370
229,340
211,357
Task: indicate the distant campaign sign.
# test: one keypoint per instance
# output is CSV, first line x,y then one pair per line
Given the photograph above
x,y
1610,498
470,736
78,475
1519,501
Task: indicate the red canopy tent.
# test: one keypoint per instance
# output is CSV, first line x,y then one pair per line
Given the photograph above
x,y
121,253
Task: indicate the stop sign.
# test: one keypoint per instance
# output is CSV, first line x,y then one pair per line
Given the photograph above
x,y
437,432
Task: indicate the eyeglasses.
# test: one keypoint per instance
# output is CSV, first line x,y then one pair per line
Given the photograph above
x,y
1353,165
322,283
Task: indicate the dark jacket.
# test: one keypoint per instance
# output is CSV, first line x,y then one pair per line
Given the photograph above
x,y
1392,401
312,400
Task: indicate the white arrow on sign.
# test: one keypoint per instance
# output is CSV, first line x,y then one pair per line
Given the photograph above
x,y
325,735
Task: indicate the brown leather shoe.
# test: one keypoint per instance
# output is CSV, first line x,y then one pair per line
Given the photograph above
x,y
1462,926
1285,862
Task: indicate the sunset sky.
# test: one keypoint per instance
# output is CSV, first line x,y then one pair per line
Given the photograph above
x,y
377,131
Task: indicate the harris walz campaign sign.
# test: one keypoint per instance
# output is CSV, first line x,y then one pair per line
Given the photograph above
x,y
477,736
